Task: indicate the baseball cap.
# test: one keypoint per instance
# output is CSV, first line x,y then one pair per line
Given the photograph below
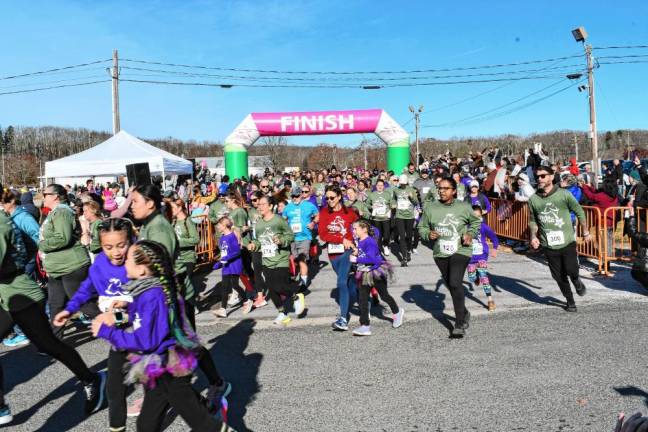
x,y
545,165
296,191
403,179
474,183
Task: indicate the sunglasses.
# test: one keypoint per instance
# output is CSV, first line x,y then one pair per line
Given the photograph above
x,y
543,175
254,199
331,198
264,187
305,192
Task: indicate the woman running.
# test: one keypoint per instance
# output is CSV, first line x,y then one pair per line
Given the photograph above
x,y
381,202
451,225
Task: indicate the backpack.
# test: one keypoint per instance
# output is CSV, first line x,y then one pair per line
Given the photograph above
x,y
18,253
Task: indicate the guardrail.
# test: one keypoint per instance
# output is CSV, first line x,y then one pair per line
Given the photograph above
x,y
617,246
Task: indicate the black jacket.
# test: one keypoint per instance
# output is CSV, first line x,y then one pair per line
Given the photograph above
x,y
641,239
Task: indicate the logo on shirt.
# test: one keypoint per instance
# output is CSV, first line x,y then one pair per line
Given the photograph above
x,y
337,226
114,287
267,236
448,227
137,322
550,215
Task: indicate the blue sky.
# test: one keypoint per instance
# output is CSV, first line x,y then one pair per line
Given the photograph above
x,y
314,36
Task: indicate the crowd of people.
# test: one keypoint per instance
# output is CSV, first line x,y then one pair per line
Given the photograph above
x,y
121,260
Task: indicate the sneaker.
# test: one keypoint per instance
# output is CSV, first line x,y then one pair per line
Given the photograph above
x,y
134,409
415,251
408,257
340,324
491,305
94,393
397,319
233,300
458,332
299,304
571,307
386,250
220,312
247,306
364,330
5,415
17,340
282,318
580,287
404,263
259,301
466,322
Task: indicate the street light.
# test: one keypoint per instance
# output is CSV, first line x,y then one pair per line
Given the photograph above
x,y
417,115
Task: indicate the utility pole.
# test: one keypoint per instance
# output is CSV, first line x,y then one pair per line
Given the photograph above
x,y
115,93
417,121
576,146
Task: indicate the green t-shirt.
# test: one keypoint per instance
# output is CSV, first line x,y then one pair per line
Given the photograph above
x,y
550,214
360,207
217,210
188,238
273,255
451,222
95,243
380,204
405,200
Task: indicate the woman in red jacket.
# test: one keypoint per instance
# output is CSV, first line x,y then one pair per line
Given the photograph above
x,y
605,198
335,228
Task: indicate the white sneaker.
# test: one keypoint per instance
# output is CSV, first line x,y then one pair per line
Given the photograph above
x,y
415,251
233,299
386,250
398,318
247,306
282,318
362,331
220,312
299,304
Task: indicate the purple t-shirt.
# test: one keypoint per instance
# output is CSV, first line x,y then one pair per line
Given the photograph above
x,y
230,254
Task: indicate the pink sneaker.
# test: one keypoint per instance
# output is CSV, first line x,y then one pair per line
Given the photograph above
x,y
134,409
260,301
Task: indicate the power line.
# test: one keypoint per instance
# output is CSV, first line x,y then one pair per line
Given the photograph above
x,y
623,62
53,87
52,70
51,82
623,56
275,71
621,47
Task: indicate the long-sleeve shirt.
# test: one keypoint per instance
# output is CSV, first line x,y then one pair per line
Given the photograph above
x,y
549,214
369,254
230,254
380,204
148,330
188,238
105,281
406,199
451,221
273,255
602,201
334,226
480,245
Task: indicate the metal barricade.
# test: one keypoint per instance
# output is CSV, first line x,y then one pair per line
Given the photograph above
x,y
591,249
616,245
206,247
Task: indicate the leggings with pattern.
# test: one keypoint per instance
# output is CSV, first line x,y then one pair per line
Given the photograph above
x,y
480,270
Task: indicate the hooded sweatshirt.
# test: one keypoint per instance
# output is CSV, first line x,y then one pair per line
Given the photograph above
x,y
27,202
30,229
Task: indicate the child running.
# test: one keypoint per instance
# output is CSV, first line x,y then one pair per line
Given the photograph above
x,y
478,265
162,346
106,279
372,271
231,264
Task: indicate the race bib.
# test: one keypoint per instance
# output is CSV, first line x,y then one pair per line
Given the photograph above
x,y
269,250
296,227
478,247
335,248
380,210
448,247
403,204
425,191
555,238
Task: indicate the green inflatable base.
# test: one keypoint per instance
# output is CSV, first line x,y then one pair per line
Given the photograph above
x,y
397,158
236,164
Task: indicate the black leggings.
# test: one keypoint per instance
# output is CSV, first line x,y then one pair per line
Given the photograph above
x,y
563,264
363,299
33,322
404,227
230,284
177,393
280,284
116,389
60,289
452,270
385,231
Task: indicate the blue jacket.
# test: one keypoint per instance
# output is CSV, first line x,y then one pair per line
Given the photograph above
x,y
30,229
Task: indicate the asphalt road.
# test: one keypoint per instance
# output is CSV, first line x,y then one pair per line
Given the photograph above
x,y
528,366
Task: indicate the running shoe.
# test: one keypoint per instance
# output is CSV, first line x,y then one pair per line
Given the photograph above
x,y
95,393
466,322
386,250
415,251
134,409
491,305
458,332
580,287
233,300
364,330
299,304
340,324
397,319
5,415
82,319
282,318
571,307
259,301
404,263
220,312
16,340
247,306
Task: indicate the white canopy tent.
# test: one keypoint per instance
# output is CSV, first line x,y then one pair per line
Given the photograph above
x,y
111,157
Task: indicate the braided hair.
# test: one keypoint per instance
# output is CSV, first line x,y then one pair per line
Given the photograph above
x,y
154,256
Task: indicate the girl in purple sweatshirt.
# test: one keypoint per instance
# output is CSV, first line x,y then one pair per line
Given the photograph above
x,y
162,346
478,265
231,264
372,271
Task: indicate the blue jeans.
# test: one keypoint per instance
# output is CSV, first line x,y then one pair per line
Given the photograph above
x,y
346,286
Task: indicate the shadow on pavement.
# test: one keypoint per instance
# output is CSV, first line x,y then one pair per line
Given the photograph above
x,y
525,290
633,391
432,302
239,368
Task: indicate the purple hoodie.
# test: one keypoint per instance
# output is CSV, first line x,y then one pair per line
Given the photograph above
x,y
481,243
369,253
230,250
148,330
104,280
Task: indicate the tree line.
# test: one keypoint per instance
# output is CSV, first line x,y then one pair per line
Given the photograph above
x,y
25,149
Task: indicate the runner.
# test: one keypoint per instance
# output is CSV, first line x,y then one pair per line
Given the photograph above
x,y
273,238
478,266
302,216
551,228
335,229
380,203
406,199
257,266
451,225
232,266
